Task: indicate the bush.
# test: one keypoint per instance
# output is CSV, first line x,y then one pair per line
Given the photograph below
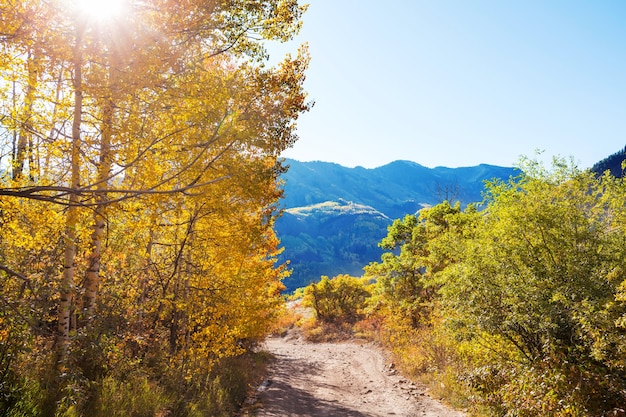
x,y
337,300
541,276
20,397
136,397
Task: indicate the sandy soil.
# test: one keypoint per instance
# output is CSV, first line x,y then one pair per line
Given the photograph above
x,y
350,379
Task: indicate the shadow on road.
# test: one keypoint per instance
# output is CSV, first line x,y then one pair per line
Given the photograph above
x,y
289,401
283,398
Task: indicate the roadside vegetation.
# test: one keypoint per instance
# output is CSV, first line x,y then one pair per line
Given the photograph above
x,y
514,307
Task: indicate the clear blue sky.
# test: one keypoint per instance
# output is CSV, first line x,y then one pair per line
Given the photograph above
x,y
458,82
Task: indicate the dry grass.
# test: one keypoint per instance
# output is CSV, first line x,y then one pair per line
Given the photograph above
x,y
320,332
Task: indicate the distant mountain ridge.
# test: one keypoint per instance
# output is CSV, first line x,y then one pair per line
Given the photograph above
x,y
335,216
395,189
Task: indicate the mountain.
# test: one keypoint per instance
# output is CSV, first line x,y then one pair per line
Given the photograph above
x,y
394,189
611,163
335,216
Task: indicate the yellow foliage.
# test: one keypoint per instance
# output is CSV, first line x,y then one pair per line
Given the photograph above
x,y
138,201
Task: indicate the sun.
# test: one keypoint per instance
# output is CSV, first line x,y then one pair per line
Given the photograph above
x,y
101,10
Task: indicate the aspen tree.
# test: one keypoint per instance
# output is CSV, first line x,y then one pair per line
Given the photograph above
x,y
152,140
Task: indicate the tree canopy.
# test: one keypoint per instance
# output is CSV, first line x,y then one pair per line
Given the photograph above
x,y
140,155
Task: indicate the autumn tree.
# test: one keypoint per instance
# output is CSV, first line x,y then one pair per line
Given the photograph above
x,y
141,154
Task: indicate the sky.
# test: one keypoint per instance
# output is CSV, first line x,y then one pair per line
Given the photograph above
x,y
458,83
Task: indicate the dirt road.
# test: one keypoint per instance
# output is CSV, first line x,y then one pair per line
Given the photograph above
x,y
338,379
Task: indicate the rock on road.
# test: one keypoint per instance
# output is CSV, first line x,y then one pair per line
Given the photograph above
x,y
338,379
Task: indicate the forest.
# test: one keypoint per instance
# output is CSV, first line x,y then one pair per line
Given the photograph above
x,y
139,161
512,307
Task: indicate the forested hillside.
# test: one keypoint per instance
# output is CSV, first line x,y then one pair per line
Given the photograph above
x,y
329,238
612,163
336,216
139,164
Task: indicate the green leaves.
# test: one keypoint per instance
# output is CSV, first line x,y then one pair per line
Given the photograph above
x,y
337,300
530,290
542,273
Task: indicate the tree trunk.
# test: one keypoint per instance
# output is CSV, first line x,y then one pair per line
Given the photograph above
x,y
92,278
25,130
71,222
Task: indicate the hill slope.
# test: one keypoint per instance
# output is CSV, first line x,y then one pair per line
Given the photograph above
x,y
330,238
611,163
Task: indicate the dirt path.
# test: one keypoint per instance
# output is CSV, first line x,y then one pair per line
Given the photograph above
x,y
338,379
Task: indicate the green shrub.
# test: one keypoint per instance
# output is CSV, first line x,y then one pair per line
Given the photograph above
x,y
135,397
20,398
337,300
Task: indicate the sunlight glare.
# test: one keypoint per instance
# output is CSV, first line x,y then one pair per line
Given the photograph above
x,y
101,9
